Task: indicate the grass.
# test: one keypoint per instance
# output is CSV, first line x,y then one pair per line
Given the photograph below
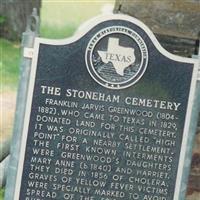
x,y
61,19
9,64
2,193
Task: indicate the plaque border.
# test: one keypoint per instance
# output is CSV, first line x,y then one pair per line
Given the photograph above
x,y
85,28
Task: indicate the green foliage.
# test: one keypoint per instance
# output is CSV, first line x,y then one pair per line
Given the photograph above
x,y
9,63
2,190
2,19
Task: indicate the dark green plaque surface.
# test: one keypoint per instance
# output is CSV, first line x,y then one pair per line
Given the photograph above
x,y
108,116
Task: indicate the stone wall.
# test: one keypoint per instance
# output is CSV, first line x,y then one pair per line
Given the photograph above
x,y
175,23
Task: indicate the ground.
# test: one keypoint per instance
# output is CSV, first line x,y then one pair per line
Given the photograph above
x,y
7,101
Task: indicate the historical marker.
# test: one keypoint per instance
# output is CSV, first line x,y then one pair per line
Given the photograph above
x,y
107,117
